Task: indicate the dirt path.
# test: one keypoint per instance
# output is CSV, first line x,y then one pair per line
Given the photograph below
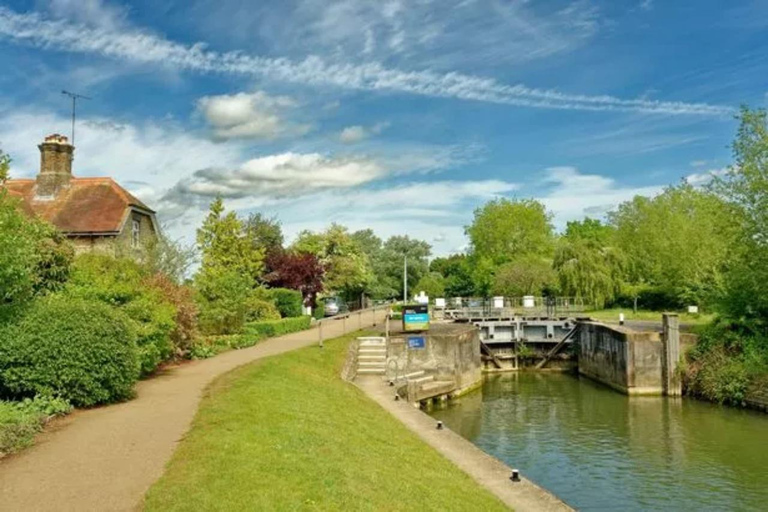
x,y
107,458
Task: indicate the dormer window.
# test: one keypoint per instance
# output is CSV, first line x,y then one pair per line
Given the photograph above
x,y
135,233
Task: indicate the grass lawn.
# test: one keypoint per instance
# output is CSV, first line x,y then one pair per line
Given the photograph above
x,y
612,315
287,433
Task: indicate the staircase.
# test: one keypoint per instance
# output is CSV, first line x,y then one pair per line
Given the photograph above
x,y
371,356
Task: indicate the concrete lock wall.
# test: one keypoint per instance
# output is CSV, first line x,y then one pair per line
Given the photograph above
x,y
643,363
451,352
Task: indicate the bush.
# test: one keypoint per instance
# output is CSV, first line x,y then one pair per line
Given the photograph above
x,y
20,421
281,327
126,285
81,351
182,299
261,310
319,312
222,296
289,302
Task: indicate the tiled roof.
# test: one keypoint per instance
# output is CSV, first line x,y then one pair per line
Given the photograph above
x,y
88,205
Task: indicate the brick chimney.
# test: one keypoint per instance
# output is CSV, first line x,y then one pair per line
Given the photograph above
x,y
55,165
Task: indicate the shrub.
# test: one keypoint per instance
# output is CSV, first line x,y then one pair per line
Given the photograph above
x,y
319,312
261,310
20,421
289,302
274,328
182,299
126,285
222,296
81,351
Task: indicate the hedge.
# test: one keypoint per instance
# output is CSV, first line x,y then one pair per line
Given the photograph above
x,y
210,346
81,351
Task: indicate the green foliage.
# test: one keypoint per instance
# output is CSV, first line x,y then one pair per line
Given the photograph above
x,y
124,284
347,268
433,284
677,242
81,351
5,166
288,302
726,362
34,258
589,270
590,230
391,265
168,257
260,309
182,299
265,234
504,229
21,421
457,273
319,312
223,297
226,247
272,328
745,187
526,275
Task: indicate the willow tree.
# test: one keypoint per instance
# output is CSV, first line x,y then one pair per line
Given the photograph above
x,y
589,271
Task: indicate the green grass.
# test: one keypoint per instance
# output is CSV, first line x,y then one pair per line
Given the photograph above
x,y
287,433
612,315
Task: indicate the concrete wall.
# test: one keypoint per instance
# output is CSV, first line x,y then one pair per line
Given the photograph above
x,y
621,358
451,352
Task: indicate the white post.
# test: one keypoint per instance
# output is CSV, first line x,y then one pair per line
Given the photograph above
x,y
405,279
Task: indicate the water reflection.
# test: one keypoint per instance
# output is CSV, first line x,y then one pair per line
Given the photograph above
x,y
600,450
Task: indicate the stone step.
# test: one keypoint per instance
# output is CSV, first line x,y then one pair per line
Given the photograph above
x,y
372,357
414,375
371,364
372,351
422,380
370,371
372,342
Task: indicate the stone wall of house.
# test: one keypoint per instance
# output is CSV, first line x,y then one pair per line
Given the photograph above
x,y
120,244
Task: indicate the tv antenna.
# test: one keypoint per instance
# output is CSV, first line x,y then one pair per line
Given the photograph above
x,y
74,97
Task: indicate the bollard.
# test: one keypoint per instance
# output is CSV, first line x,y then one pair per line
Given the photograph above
x,y
515,475
320,333
439,425
621,318
397,398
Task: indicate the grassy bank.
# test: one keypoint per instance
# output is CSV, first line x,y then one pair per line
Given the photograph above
x,y
612,315
287,433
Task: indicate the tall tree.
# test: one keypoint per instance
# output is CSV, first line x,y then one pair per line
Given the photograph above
x,y
393,255
526,275
745,187
300,271
504,229
265,233
223,244
457,273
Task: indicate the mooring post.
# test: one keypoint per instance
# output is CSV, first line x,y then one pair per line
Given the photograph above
x,y
670,355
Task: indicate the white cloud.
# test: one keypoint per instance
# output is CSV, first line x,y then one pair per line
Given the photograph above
x,y
357,133
575,195
143,47
90,12
249,115
646,5
699,179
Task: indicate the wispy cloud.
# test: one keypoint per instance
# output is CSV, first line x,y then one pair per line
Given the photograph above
x,y
145,47
357,133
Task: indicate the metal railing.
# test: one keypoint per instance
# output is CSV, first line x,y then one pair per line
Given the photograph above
x,y
475,307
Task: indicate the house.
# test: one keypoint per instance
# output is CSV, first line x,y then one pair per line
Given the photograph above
x,y
94,213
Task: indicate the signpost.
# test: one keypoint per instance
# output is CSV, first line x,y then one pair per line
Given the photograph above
x,y
415,317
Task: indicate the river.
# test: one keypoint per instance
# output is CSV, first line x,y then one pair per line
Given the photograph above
x,y
600,450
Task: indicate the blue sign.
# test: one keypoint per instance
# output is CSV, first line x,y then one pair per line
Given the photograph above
x,y
417,318
417,342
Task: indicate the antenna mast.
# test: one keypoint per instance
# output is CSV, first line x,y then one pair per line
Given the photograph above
x,y
74,97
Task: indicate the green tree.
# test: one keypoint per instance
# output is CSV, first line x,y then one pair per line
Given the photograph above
x,y
589,270
457,273
5,166
224,245
526,275
505,229
347,268
677,242
265,233
379,286
391,262
745,187
592,230
432,284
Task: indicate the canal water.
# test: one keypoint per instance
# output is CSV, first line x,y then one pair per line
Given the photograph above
x,y
600,450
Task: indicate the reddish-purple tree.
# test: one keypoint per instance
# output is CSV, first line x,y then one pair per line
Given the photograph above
x,y
300,271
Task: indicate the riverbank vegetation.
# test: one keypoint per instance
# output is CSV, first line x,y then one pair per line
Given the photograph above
x,y
287,433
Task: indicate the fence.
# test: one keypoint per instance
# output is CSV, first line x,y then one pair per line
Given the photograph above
x,y
473,307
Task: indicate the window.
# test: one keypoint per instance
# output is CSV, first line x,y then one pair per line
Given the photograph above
x,y
135,233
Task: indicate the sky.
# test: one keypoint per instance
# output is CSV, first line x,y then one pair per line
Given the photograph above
x,y
398,115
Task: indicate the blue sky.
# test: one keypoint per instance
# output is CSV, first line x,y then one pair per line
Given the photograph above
x,y
402,116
